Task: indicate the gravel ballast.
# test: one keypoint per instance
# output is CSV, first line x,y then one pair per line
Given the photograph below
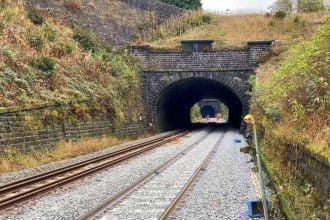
x,y
222,191
150,200
75,199
22,174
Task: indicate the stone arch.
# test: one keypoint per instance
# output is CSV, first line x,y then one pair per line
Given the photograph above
x,y
231,87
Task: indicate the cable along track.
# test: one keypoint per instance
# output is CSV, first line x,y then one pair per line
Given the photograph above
x,y
156,195
25,189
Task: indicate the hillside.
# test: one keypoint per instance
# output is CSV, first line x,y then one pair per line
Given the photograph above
x,y
43,61
115,21
291,103
234,30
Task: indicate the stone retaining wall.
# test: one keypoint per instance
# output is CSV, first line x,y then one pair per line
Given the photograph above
x,y
35,128
310,168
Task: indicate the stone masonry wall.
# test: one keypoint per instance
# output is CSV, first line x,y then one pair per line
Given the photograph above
x,y
310,168
37,128
212,60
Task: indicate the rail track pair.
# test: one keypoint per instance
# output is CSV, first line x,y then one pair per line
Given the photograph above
x,y
25,189
158,194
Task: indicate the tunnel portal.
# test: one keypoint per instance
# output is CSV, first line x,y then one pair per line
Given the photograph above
x,y
174,80
208,111
175,102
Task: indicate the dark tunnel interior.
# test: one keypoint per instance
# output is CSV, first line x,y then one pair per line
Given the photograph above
x,y
208,111
175,102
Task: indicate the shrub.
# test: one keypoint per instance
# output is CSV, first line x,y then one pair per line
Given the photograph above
x,y
206,19
73,5
35,18
85,41
310,5
36,41
280,15
68,48
46,64
271,23
2,6
62,50
50,34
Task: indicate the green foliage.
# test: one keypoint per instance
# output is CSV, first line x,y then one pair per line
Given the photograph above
x,y
292,109
224,111
35,18
49,33
283,5
310,5
186,4
36,41
280,15
303,79
195,114
46,64
68,48
86,41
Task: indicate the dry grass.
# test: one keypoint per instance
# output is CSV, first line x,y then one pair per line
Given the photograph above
x,y
73,5
12,158
235,30
78,76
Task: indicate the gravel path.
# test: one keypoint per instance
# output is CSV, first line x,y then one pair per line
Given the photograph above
x,y
151,199
73,200
14,176
222,191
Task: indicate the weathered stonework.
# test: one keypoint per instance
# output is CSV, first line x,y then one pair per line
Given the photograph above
x,y
31,128
307,167
230,68
206,103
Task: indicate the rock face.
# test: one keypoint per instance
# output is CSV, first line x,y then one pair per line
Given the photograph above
x,y
115,21
174,80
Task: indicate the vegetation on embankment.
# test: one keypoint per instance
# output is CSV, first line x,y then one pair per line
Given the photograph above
x,y
234,30
12,159
291,102
44,61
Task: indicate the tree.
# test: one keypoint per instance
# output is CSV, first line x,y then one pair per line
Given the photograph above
x,y
195,114
283,5
186,4
310,5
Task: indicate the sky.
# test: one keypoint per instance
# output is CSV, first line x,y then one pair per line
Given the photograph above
x,y
237,5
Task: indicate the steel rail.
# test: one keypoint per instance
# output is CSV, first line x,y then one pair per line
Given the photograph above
x,y
28,188
24,182
176,202
99,210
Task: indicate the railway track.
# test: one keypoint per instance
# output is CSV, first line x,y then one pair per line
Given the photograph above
x,y
22,190
156,195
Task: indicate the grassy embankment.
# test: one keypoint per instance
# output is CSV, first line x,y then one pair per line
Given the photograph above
x,y
44,61
291,94
291,103
233,30
12,159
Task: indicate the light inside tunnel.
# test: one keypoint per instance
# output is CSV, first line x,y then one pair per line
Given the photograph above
x,y
209,111
175,102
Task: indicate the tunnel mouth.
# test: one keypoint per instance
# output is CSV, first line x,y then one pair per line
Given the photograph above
x,y
176,100
208,111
